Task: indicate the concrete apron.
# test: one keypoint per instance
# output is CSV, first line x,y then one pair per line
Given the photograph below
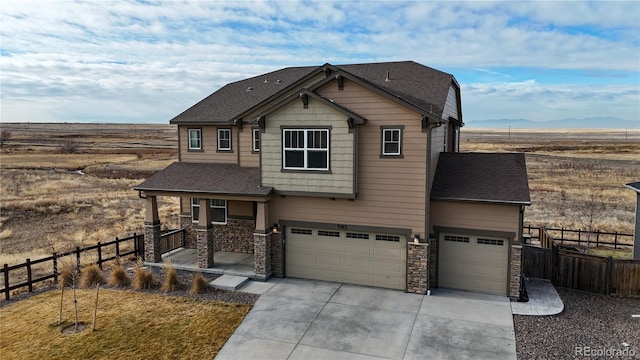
x,y
307,319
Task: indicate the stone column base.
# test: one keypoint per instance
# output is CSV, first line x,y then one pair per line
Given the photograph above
x,y
277,254
152,234
417,269
514,271
262,253
205,247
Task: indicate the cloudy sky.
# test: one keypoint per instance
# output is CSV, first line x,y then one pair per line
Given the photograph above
x,y
147,61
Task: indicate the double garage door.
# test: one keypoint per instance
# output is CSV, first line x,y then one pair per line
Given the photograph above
x,y
474,263
363,258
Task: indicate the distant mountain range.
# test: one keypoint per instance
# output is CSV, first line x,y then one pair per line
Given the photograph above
x,y
570,123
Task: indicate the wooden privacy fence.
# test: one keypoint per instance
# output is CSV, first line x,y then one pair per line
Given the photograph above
x,y
573,270
172,240
580,237
35,273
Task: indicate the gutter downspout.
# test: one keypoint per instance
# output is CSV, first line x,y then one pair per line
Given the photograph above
x,y
428,126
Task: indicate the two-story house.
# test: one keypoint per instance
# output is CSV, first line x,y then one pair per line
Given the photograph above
x,y
346,173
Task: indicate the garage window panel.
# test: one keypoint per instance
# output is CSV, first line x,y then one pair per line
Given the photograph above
x,y
453,238
393,238
328,233
490,241
301,231
352,235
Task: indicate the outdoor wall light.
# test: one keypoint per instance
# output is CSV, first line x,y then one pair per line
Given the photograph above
x,y
275,228
416,238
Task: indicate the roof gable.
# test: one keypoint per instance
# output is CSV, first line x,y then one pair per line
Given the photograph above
x,y
482,177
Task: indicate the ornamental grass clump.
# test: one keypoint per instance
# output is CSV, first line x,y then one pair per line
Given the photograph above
x,y
91,276
119,277
144,277
199,284
171,281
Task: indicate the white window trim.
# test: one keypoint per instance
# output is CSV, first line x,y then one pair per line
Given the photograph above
x,y
305,149
399,142
195,204
253,139
220,148
199,137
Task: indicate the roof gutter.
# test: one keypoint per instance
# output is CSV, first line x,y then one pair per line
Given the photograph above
x,y
505,202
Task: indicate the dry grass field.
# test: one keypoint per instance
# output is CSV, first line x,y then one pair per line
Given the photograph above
x,y
67,185
576,177
64,185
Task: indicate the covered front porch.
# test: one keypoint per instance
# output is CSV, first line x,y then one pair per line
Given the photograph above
x,y
223,219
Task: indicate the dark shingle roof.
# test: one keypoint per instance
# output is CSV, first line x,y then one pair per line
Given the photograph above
x,y
634,186
419,85
227,179
483,177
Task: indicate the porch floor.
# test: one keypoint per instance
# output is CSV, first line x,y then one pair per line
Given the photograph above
x,y
224,263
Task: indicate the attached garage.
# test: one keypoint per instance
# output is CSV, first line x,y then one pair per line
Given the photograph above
x,y
354,257
474,263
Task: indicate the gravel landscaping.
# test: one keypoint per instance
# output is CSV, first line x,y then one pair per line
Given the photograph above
x,y
591,326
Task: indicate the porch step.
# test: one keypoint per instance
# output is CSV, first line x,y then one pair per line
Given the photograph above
x,y
229,282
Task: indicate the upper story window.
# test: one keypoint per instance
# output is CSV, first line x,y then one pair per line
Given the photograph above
x,y
224,139
218,210
305,149
391,141
255,139
195,139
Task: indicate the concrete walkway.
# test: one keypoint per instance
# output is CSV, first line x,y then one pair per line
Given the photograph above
x,y
543,299
306,319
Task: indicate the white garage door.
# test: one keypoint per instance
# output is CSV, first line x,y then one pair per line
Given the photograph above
x,y
475,263
346,256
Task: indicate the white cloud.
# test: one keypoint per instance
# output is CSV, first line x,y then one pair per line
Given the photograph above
x,y
171,54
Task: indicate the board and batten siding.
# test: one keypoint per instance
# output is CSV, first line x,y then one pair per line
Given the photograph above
x,y
340,180
209,152
390,191
476,216
451,105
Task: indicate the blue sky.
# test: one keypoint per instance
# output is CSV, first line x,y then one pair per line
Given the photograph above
x,y
147,61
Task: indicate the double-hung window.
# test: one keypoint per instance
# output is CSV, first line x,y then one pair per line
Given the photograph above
x,y
218,210
305,149
224,139
195,139
391,141
255,139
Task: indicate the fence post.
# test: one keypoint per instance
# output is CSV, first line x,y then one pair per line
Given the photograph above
x,y
579,231
29,275
117,247
597,237
561,234
6,281
135,245
99,256
78,258
55,267
615,240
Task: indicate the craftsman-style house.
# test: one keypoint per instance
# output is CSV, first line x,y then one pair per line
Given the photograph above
x,y
347,173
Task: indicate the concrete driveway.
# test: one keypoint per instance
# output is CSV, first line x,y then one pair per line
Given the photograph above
x,y
306,319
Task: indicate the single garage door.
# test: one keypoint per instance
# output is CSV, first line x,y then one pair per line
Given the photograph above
x,y
475,263
346,256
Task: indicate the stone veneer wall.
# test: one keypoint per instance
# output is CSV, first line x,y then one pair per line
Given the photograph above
x,y
515,270
262,253
433,262
417,269
190,234
205,247
235,236
277,260
152,235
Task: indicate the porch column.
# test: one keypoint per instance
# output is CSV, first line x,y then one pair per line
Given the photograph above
x,y
515,271
262,241
152,251
205,240
418,267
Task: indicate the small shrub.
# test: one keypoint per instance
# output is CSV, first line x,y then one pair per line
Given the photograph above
x,y
91,276
143,280
171,281
5,135
199,284
69,146
68,274
119,277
